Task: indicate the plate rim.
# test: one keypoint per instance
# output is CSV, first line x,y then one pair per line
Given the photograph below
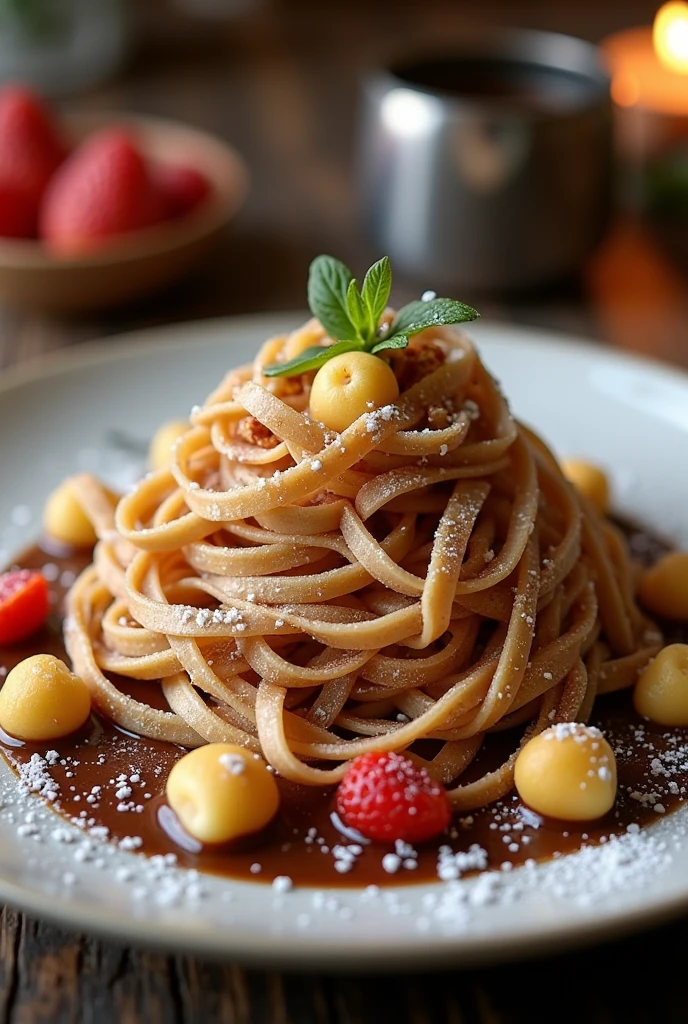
x,y
120,345
271,950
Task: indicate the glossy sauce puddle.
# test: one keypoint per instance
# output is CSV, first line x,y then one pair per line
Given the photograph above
x,y
101,755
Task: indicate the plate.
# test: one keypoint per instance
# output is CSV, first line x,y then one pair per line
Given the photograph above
x,y
94,409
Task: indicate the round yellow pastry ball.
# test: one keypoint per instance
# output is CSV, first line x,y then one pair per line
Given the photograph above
x,y
664,588
162,441
42,700
568,771
65,520
661,692
221,792
590,481
349,385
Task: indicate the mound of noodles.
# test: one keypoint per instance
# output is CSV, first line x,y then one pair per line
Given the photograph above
x,y
426,575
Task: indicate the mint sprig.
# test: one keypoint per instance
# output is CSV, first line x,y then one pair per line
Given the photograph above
x,y
311,359
377,284
418,315
351,316
328,286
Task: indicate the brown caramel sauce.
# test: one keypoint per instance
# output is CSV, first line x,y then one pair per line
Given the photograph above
x,y
101,752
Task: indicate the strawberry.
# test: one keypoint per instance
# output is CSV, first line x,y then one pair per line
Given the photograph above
x,y
30,148
17,213
103,190
181,187
385,796
23,604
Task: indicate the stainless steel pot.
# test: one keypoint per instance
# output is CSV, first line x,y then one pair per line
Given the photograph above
x,y
488,167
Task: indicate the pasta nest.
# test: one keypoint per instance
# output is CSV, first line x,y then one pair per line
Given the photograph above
x,y
425,575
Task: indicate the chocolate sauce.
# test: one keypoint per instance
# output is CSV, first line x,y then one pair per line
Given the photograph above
x,y
111,778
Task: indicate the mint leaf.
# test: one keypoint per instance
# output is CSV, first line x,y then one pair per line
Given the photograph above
x,y
328,284
393,341
351,316
436,313
354,306
311,359
377,285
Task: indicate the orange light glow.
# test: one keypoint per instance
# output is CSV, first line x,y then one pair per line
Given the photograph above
x,y
625,89
639,77
670,36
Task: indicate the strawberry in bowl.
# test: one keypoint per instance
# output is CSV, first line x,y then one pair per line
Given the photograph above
x,y
31,150
103,190
96,210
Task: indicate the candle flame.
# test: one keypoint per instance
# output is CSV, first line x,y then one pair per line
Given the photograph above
x,y
670,36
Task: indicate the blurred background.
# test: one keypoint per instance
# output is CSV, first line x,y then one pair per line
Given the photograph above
x,y
282,82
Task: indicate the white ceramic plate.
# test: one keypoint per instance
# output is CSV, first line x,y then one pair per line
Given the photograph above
x,y
60,416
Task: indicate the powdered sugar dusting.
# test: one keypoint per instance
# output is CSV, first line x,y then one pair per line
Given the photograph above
x,y
376,419
80,859
572,730
235,764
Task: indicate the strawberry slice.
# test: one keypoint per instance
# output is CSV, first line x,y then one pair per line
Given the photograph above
x,y
385,796
23,604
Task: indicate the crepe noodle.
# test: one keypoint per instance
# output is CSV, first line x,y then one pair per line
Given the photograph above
x,y
329,594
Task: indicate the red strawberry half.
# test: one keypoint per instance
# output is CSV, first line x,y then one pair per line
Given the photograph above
x,y
385,796
182,188
23,604
103,190
30,148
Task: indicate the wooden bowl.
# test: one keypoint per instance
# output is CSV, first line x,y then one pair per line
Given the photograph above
x,y
142,261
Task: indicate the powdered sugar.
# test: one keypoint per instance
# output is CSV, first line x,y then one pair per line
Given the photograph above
x,y
594,877
235,764
572,730
376,419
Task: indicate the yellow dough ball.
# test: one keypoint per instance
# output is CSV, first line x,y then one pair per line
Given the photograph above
x,y
65,520
664,588
661,692
221,792
590,481
568,771
349,385
42,700
162,441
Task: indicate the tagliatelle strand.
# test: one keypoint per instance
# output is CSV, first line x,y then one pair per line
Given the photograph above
x,y
426,574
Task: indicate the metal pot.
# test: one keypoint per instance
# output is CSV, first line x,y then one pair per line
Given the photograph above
x,y
488,167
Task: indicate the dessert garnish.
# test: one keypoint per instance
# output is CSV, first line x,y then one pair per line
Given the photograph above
x,y
23,604
385,796
353,318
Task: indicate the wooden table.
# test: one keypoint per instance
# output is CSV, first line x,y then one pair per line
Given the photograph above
x,y
281,84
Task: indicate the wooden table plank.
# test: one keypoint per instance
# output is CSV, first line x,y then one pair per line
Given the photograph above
x,y
52,977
